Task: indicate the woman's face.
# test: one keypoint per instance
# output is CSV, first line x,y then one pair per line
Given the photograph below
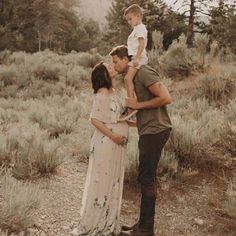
x,y
111,70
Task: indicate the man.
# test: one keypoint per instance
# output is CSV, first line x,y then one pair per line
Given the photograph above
x,y
154,128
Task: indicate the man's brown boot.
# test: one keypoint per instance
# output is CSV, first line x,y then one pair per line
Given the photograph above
x,y
147,212
137,232
129,227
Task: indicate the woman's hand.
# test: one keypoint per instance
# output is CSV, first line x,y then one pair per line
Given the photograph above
x,y
119,139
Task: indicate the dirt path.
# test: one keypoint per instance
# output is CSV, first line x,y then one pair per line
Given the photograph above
x,y
185,208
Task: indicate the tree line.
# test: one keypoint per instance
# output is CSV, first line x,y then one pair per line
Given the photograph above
x,y
34,25
158,16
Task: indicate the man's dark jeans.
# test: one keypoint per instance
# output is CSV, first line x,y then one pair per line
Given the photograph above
x,y
150,148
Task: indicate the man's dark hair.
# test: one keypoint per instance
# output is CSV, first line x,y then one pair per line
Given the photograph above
x,y
120,51
100,77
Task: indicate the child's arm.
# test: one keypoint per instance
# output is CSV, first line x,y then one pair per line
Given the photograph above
x,y
139,51
129,81
132,70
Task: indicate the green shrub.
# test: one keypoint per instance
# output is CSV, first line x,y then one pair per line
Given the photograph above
x,y
57,119
157,39
9,92
36,157
229,136
8,116
40,90
214,49
88,60
211,126
226,55
83,136
7,76
230,204
84,59
168,164
47,72
18,204
8,147
153,58
76,75
4,55
195,109
17,58
132,161
177,60
184,137
201,44
231,111
217,88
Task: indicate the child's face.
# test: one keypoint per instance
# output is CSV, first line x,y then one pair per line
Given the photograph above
x,y
133,19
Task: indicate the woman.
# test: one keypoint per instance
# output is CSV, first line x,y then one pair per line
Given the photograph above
x,y
102,195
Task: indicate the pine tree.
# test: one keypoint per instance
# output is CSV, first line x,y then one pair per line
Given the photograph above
x,y
194,7
223,25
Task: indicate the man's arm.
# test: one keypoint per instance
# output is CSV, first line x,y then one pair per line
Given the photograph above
x,y
162,97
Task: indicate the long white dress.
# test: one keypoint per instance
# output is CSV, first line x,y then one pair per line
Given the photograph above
x,y
101,202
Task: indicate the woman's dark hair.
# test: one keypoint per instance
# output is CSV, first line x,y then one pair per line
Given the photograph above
x,y
100,77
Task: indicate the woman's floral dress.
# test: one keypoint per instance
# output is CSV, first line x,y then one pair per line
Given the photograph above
x,y
101,202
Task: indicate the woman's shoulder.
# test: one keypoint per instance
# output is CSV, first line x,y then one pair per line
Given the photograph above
x,y
105,93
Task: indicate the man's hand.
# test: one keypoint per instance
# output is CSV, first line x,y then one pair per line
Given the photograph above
x,y
132,103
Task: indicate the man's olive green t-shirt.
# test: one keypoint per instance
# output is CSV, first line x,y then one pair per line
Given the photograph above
x,y
149,121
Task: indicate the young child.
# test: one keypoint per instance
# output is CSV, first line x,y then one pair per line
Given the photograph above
x,y
137,42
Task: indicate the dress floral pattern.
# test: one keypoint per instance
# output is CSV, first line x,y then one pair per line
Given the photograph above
x,y
101,202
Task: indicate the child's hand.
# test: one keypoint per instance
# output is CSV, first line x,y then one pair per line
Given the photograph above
x,y
136,61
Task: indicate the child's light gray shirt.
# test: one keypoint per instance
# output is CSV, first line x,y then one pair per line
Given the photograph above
x,y
139,31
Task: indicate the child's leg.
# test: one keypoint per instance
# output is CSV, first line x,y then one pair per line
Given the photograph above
x,y
129,84
129,81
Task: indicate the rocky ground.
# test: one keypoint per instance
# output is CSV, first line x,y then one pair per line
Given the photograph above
x,y
190,206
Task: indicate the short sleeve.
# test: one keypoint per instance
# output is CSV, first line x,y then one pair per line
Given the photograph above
x,y
148,76
141,31
105,109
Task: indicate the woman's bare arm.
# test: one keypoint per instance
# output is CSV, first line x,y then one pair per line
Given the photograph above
x,y
117,138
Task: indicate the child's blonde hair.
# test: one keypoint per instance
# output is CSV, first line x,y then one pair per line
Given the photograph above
x,y
135,9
